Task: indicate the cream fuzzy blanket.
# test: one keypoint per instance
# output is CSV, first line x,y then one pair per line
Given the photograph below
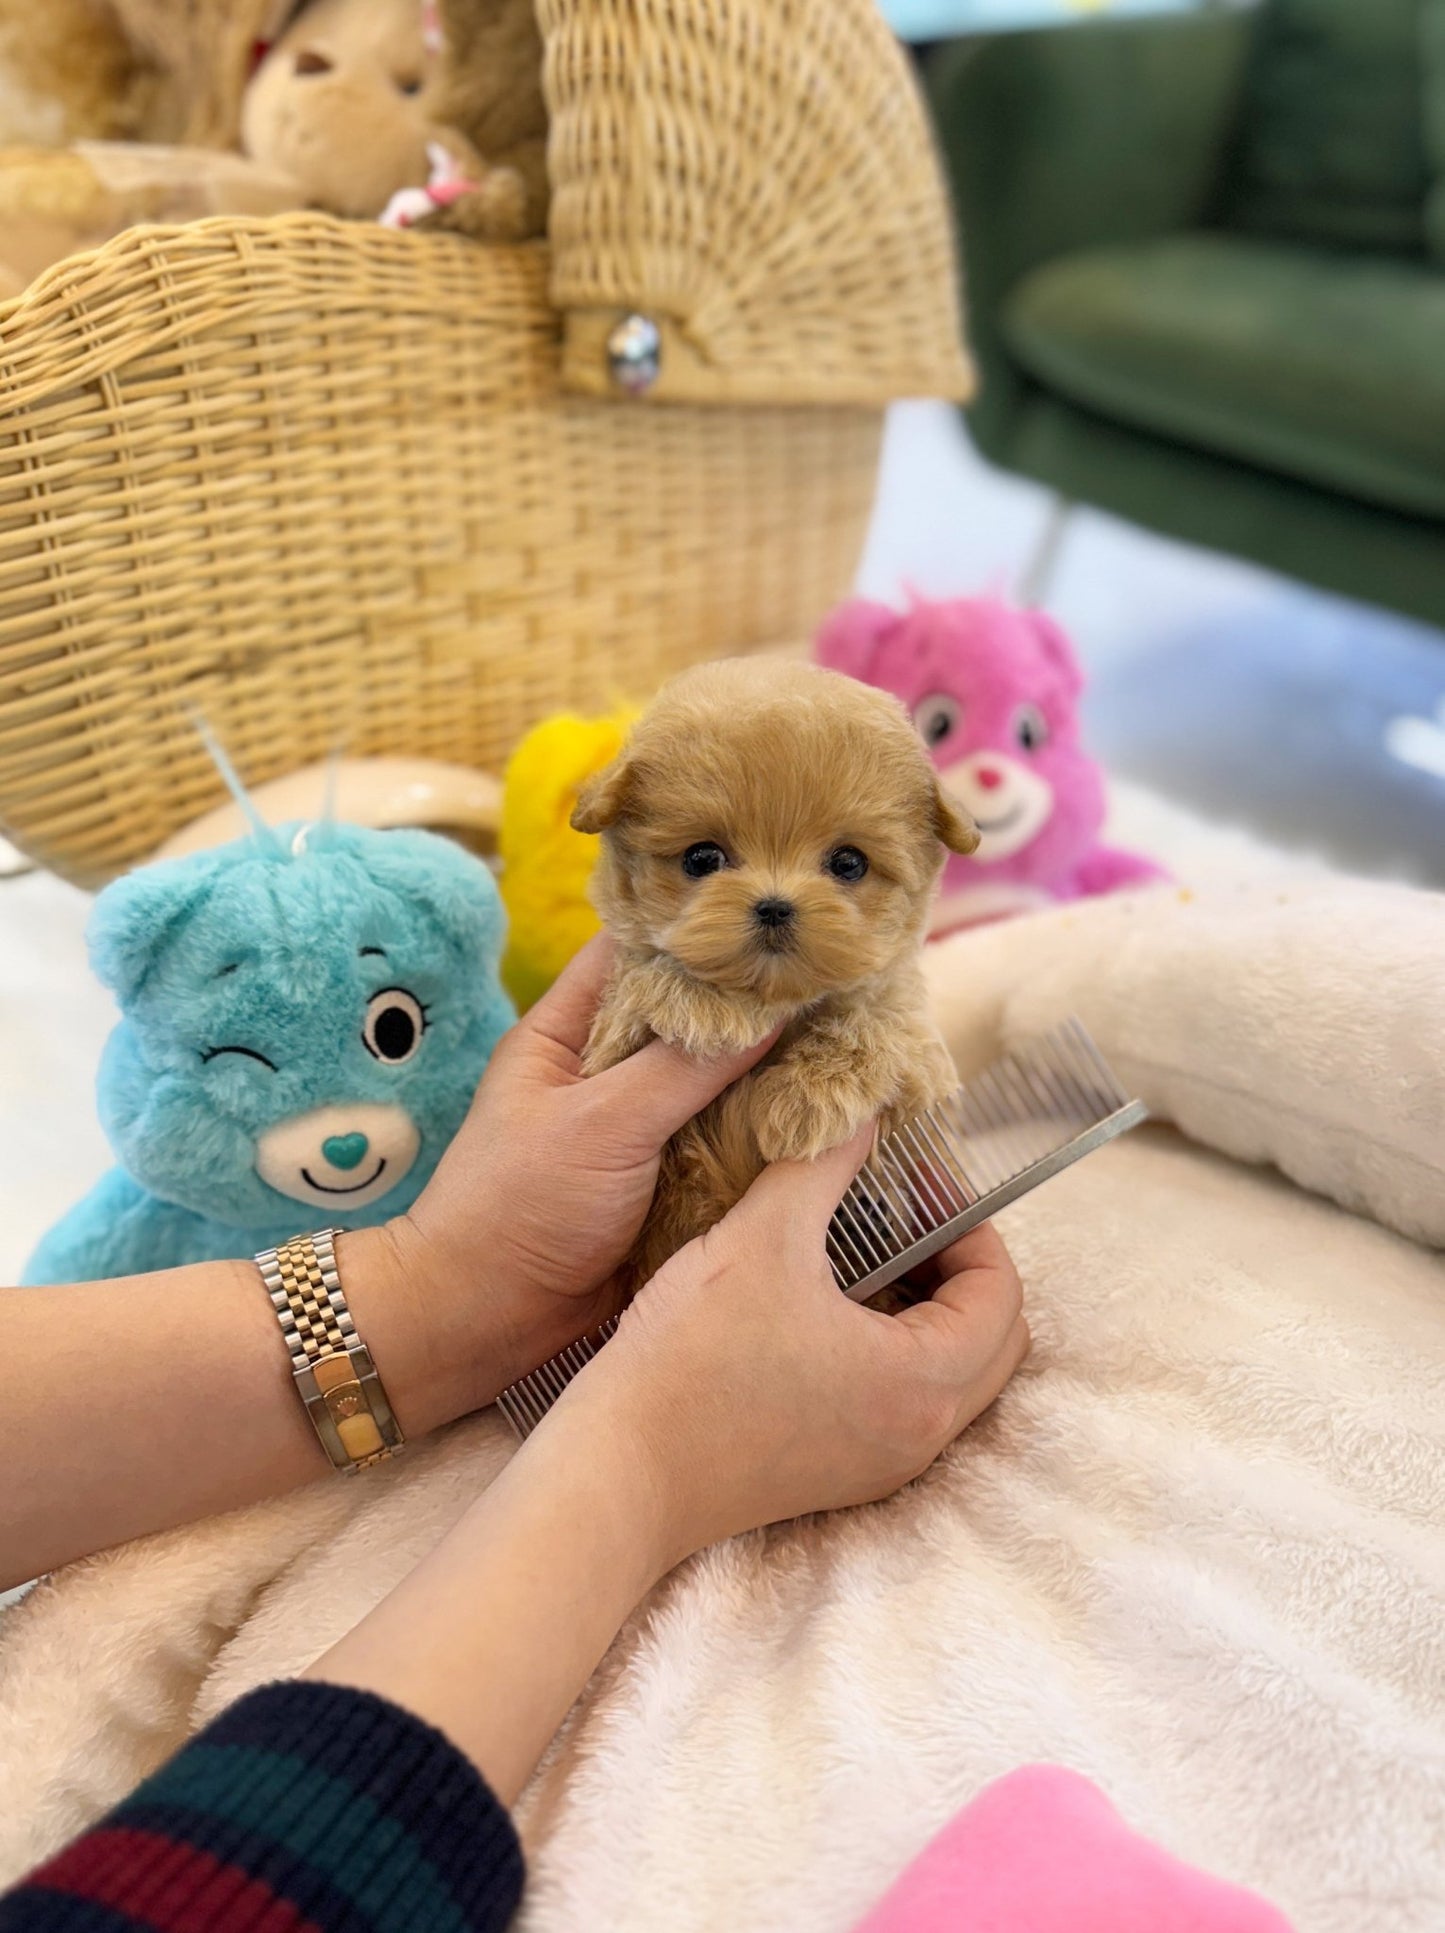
x,y
1197,1551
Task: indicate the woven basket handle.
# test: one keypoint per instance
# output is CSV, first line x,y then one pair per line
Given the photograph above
x,y
757,179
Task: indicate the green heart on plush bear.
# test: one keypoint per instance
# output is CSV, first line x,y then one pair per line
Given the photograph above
x,y
345,1150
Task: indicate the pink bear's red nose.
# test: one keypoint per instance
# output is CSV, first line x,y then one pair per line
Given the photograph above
x,y
988,777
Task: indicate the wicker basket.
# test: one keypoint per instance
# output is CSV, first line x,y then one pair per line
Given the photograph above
x,y
329,485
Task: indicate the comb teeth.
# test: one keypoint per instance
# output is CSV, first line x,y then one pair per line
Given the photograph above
x,y
1021,1120
528,1401
1024,1118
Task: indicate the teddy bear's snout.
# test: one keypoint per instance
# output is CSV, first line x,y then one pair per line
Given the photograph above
x,y
339,1157
1009,801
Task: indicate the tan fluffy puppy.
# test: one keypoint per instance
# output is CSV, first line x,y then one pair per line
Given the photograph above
x,y
772,834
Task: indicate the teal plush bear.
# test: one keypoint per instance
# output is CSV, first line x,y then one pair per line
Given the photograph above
x,y
305,1016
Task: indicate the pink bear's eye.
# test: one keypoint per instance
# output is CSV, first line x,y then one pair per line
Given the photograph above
x,y
1031,728
936,717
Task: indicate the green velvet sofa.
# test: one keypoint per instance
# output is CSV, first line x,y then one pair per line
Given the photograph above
x,y
1204,261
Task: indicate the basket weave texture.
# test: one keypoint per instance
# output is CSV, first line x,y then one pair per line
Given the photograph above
x,y
759,176
327,485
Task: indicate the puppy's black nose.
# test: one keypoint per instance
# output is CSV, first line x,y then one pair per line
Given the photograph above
x,y
773,913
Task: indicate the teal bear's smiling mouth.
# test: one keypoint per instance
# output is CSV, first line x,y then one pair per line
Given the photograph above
x,y
321,1187
345,1151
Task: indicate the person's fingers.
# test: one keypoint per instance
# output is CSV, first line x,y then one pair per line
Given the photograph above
x,y
978,1254
659,1088
1020,1342
809,1191
968,1320
995,1377
565,1013
982,1247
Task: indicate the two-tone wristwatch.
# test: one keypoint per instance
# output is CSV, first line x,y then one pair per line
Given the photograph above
x,y
332,1366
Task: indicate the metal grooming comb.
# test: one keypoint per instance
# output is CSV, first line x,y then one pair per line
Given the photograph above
x,y
1025,1117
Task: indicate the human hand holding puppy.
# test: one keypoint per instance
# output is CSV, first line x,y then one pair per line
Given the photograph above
x,y
556,1174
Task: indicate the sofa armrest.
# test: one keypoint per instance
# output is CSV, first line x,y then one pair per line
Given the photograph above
x,y
1061,139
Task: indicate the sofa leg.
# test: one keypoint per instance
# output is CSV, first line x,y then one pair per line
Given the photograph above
x,y
1037,576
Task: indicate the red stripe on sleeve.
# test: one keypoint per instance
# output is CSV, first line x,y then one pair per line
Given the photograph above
x,y
167,1885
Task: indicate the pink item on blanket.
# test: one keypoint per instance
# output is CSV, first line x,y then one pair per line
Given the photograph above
x,y
994,691
1043,1851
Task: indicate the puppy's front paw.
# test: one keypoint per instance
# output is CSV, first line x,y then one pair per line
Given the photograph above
x,y
796,1118
921,1087
616,1035
702,1023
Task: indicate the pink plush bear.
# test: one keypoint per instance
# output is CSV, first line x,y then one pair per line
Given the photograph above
x,y
994,693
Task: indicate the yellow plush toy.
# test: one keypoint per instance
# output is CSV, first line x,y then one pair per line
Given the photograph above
x,y
545,864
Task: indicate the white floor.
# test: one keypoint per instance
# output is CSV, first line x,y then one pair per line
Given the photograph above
x,y
1265,704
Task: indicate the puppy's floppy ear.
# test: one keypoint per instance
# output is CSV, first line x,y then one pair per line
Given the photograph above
x,y
603,799
952,824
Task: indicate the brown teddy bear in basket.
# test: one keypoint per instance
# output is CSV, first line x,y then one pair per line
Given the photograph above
x,y
353,104
430,108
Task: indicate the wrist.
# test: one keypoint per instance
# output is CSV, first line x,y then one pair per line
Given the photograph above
x,y
426,1360
618,1420
496,1310
448,1336
588,1451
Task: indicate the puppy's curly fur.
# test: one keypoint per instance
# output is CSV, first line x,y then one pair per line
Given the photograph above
x,y
772,834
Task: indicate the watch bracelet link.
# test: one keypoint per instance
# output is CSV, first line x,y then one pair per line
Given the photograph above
x,y
331,1365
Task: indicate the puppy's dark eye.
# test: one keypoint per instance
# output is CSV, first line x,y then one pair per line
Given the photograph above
x,y
936,717
395,1022
703,858
1031,728
411,85
847,863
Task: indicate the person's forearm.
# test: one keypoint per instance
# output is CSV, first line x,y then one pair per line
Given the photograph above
x,y
136,1405
494,1635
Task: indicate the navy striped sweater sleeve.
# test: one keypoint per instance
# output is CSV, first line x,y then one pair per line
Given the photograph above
x,y
305,1808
